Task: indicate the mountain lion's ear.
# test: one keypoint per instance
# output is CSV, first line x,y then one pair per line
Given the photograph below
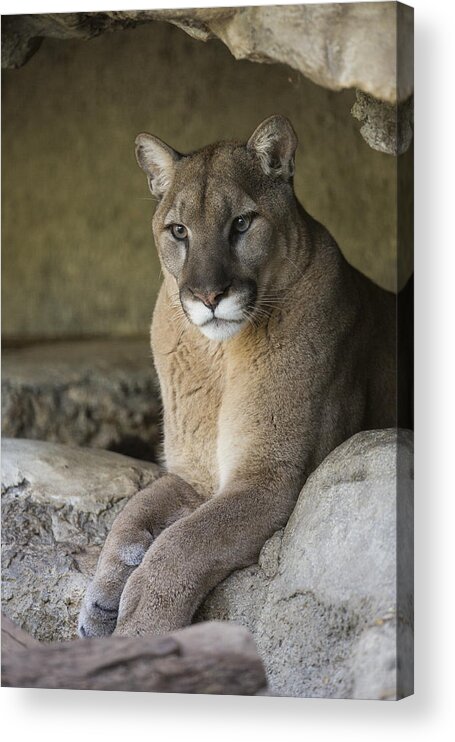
x,y
157,160
274,142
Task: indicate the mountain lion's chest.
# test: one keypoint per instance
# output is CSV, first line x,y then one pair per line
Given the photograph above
x,y
192,380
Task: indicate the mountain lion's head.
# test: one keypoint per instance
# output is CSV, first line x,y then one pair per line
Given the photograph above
x,y
222,222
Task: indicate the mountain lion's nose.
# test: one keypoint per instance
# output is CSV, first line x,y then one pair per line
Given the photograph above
x,y
211,299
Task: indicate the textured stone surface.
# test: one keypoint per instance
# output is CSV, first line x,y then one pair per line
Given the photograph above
x,y
89,393
58,504
215,657
338,45
385,127
322,602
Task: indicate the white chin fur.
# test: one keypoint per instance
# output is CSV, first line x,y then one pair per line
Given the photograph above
x,y
198,313
228,319
228,309
220,329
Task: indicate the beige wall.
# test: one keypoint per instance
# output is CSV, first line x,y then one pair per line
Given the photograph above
x,y
78,257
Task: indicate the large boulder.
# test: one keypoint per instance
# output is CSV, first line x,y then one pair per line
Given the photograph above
x,y
100,393
323,603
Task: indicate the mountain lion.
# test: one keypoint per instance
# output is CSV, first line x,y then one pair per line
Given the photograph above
x,y
271,350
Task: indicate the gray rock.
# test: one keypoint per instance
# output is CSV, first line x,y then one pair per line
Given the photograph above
x,y
386,127
322,603
58,504
100,393
338,46
333,45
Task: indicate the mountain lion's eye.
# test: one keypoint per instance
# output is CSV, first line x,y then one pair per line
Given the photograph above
x,y
241,223
179,231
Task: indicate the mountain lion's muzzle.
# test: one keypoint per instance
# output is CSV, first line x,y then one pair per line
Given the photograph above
x,y
219,312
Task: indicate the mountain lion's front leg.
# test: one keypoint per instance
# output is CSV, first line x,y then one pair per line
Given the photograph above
x,y
142,519
196,553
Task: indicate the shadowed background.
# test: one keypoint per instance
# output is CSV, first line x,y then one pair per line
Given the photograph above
x,y
78,254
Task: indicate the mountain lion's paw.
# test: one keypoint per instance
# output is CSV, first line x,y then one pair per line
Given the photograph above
x,y
98,616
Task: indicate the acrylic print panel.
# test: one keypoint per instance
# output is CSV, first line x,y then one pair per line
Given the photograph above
x,y
231,511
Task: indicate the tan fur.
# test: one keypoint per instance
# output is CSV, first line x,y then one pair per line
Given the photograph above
x,y
246,419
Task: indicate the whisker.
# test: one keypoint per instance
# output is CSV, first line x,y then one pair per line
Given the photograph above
x,y
249,316
262,312
295,265
174,294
